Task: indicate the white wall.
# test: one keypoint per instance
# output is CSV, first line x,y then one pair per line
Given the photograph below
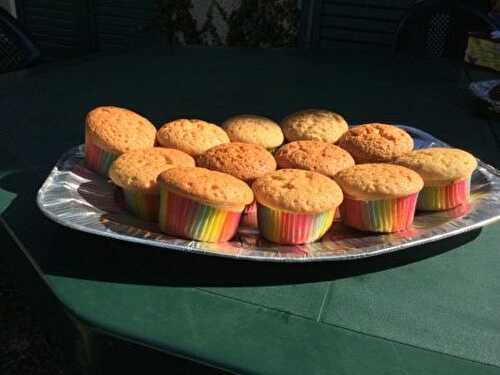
x,y
200,8
9,5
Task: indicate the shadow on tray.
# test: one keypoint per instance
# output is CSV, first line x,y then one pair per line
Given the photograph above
x,y
69,253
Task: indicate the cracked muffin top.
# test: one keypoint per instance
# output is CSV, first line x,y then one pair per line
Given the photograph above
x,y
376,143
118,130
439,165
317,156
206,186
297,190
379,181
194,137
314,124
254,129
242,160
139,169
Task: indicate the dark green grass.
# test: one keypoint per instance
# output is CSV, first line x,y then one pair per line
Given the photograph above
x,y
23,346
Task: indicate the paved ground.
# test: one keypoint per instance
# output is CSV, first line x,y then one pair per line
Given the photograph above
x,y
24,349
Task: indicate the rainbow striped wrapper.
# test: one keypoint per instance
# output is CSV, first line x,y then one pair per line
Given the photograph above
x,y
435,198
249,216
144,206
381,215
292,228
97,159
180,216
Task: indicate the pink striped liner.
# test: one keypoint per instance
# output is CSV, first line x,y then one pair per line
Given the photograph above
x,y
249,216
97,159
144,206
436,198
382,215
292,228
181,216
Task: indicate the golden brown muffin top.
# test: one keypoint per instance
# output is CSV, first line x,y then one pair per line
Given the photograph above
x,y
317,156
376,143
206,186
439,166
254,129
191,136
297,190
314,124
139,169
378,181
119,130
242,160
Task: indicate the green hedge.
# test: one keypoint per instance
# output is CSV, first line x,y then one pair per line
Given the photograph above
x,y
255,23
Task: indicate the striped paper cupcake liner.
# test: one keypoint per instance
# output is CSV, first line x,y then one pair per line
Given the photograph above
x,y
435,198
97,159
249,216
382,215
291,228
180,216
144,206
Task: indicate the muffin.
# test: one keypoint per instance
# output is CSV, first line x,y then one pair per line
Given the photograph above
x,y
244,161
295,206
315,125
112,131
194,137
376,143
201,204
254,129
379,197
316,156
446,173
136,173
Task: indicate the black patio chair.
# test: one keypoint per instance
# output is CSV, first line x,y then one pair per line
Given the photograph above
x,y
17,51
439,28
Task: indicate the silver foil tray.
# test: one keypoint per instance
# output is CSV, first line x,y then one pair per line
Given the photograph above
x,y
481,89
76,197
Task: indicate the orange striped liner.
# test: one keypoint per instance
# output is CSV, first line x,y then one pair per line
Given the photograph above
x,y
180,216
436,198
249,216
292,228
97,159
382,215
144,206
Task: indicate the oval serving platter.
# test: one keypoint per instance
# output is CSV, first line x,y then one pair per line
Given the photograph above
x,y
78,198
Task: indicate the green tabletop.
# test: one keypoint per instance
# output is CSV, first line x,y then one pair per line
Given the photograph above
x,y
429,309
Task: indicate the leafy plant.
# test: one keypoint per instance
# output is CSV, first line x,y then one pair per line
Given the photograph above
x,y
208,31
263,23
177,23
255,23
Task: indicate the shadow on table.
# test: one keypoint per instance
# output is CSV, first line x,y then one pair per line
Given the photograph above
x,y
65,252
115,261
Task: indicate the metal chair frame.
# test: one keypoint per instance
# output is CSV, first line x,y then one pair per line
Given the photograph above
x,y
14,37
435,7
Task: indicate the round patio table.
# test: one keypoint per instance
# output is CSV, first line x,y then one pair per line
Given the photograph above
x,y
114,305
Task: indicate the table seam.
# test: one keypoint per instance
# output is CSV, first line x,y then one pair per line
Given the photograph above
x,y
388,340
19,243
324,302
